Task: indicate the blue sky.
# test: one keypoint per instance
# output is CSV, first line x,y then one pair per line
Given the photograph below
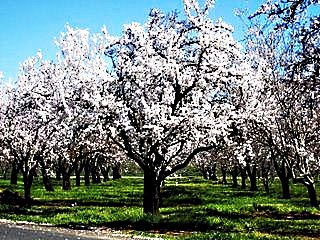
x,y
29,25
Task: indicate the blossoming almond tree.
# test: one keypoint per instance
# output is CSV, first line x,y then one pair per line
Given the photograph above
x,y
26,122
79,71
176,83
292,129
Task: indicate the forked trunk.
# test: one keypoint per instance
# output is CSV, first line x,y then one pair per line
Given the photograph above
x,y
151,193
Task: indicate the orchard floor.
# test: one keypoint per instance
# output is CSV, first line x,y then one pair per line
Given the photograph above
x,y
191,208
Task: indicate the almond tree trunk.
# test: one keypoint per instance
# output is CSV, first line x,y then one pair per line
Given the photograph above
x,y
312,195
66,182
28,176
116,171
151,193
235,173
14,174
252,173
243,174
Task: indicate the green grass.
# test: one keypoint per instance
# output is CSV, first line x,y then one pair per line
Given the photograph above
x,y
192,209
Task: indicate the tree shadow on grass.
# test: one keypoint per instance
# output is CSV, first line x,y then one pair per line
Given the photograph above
x,y
47,212
294,227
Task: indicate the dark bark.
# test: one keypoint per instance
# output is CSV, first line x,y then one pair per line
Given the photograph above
x,y
66,183
105,172
78,178
235,173
285,187
116,171
28,176
266,174
243,174
151,193
45,178
58,174
95,173
46,181
14,174
224,175
284,177
78,169
265,182
312,195
252,173
87,170
309,184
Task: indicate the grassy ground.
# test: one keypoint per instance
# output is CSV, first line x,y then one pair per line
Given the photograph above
x,y
192,208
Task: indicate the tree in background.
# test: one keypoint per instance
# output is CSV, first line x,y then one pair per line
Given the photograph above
x,y
27,120
292,82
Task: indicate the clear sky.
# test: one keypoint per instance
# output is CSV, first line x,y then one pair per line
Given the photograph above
x,y
29,25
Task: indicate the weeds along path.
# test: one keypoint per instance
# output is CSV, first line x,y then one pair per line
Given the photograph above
x,y
10,230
